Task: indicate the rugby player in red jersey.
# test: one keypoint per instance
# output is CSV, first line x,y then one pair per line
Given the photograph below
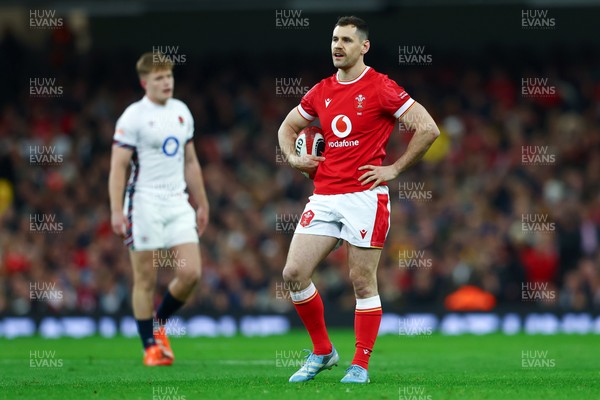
x,y
357,108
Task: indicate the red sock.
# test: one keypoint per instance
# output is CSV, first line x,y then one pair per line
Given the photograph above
x,y
367,318
309,306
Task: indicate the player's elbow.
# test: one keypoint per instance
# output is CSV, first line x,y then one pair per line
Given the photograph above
x,y
429,133
436,132
190,162
285,131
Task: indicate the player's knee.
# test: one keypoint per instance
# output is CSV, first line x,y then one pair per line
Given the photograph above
x,y
191,276
363,284
144,284
291,274
364,292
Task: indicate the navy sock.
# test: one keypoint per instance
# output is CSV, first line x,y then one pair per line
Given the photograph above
x,y
167,308
146,332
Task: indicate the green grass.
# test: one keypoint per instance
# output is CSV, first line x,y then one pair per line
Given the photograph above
x,y
419,368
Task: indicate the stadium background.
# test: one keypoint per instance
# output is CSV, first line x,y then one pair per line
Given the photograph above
x,y
238,66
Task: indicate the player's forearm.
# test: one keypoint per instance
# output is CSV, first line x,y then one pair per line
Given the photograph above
x,y
195,183
287,140
417,147
116,188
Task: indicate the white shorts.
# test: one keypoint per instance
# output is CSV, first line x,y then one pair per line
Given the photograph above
x,y
360,218
158,224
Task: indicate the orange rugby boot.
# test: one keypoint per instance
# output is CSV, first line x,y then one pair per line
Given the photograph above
x,y
160,336
154,356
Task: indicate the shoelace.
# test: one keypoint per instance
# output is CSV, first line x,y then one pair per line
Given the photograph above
x,y
354,370
307,358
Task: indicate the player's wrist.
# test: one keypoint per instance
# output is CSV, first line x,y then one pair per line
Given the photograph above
x,y
202,208
397,170
293,159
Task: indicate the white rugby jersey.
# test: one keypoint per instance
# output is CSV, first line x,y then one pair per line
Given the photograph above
x,y
157,134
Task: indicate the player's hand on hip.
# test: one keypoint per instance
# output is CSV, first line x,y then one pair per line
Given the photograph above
x,y
118,222
201,219
377,175
305,163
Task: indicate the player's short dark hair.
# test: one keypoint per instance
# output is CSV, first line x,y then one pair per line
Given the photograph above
x,y
361,26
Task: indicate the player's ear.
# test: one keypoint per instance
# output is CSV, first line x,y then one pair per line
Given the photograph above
x,y
366,46
143,83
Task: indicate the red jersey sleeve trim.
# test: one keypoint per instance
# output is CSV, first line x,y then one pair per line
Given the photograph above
x,y
404,108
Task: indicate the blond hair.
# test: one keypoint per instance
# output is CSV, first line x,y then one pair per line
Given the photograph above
x,y
152,62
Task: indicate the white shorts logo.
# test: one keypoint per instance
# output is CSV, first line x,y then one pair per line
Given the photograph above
x,y
341,126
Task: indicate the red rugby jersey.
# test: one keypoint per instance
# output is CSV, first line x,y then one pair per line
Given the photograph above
x,y
357,118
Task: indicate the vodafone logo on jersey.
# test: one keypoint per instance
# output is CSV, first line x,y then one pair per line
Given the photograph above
x,y
341,127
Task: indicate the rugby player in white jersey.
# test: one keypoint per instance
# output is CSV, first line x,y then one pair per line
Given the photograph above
x,y
153,213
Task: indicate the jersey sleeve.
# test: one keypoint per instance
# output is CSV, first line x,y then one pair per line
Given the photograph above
x,y
306,108
190,126
393,98
126,133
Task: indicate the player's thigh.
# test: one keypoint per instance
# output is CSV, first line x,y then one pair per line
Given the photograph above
x,y
180,226
306,252
365,217
187,261
145,217
362,263
144,273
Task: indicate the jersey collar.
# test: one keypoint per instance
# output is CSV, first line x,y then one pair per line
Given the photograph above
x,y
150,103
367,68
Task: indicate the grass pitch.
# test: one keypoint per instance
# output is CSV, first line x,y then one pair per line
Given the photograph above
x,y
402,368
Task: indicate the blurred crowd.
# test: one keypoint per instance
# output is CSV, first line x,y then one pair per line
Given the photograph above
x,y
487,212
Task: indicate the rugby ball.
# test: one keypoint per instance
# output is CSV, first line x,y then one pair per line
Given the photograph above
x,y
310,140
